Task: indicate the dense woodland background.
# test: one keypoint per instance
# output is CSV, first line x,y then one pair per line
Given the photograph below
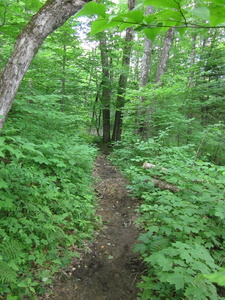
x,y
157,100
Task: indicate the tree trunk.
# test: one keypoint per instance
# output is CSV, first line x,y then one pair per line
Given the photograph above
x,y
162,65
51,16
145,69
145,65
106,91
120,101
192,60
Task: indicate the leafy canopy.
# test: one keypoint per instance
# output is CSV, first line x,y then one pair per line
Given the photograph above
x,y
170,13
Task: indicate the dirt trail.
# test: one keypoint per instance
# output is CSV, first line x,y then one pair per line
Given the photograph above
x,y
110,270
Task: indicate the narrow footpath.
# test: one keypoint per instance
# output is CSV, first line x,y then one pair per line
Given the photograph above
x,y
110,269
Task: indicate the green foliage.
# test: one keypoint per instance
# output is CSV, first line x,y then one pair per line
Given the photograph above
x,y
46,201
218,277
179,116
10,254
183,231
174,13
92,8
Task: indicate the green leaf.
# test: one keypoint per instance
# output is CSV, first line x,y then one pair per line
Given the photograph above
x,y
136,16
3,184
92,8
201,12
33,5
182,30
140,248
163,3
29,146
217,15
218,277
145,237
102,24
219,2
149,19
168,16
125,25
177,278
2,140
151,33
11,297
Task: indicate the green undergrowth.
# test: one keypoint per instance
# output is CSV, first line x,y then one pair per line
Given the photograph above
x,y
182,243
47,204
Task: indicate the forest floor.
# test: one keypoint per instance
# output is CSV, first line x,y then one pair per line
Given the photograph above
x,y
109,270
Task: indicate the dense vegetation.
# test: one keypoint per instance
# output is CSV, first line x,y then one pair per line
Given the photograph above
x,y
47,201
70,94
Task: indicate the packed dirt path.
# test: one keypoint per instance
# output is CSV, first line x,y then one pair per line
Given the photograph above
x,y
110,269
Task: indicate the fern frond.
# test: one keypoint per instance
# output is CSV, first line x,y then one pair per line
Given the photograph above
x,y
10,250
158,244
7,274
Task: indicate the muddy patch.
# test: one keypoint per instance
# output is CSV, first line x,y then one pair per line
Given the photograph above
x,y
109,270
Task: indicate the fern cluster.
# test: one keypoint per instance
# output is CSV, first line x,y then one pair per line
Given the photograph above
x,y
10,253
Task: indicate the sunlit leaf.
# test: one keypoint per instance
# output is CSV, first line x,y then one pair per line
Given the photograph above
x,y
163,3
169,14
149,19
219,2
217,15
2,140
124,26
92,8
218,277
102,24
136,16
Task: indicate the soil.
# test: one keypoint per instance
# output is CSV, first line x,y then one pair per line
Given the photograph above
x,y
109,270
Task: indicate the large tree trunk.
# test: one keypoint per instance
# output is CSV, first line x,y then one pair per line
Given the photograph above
x,y
120,101
106,91
51,16
162,65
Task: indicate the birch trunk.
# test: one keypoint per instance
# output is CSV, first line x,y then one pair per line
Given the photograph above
x,y
51,16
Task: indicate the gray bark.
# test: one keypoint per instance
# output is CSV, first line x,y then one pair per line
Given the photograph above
x,y
51,16
145,69
145,65
167,43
